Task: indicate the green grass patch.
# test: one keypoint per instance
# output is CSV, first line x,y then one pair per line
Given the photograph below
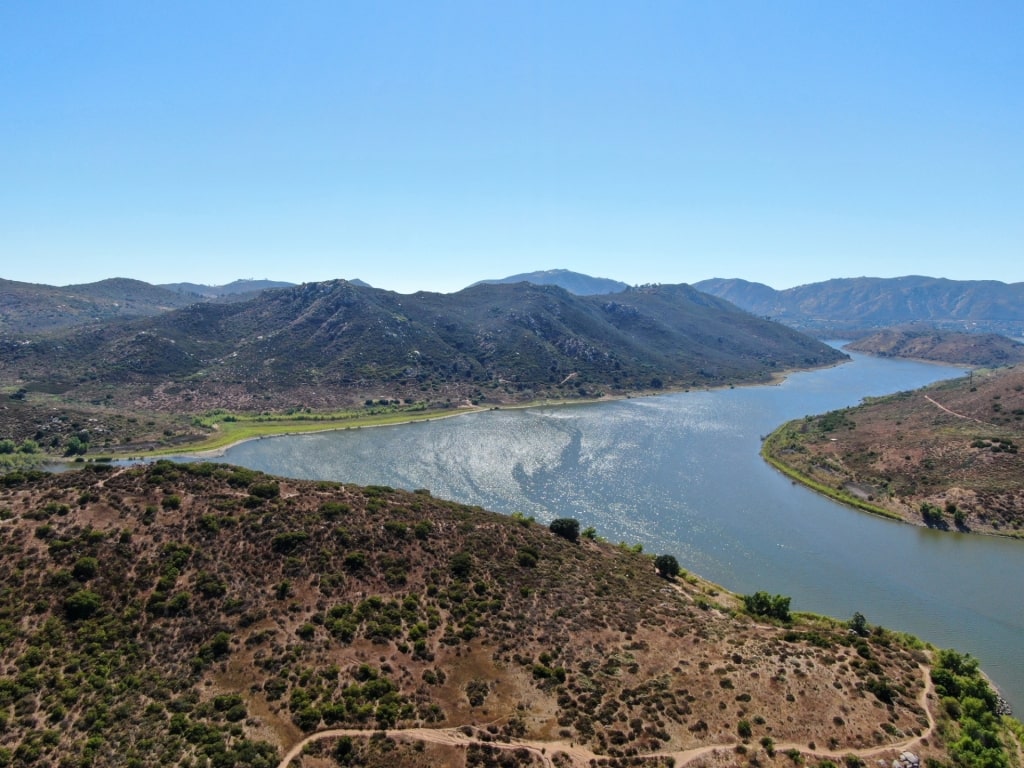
x,y
236,428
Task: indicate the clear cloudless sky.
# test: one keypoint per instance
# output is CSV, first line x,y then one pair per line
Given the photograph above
x,y
427,145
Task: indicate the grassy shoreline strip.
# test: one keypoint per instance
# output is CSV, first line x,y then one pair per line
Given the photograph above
x,y
231,433
814,485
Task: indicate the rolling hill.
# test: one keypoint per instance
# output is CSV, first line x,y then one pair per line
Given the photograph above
x,y
30,308
204,614
328,344
237,288
946,456
975,349
857,304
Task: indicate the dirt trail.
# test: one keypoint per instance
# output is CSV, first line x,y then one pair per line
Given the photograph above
x,y
582,757
941,407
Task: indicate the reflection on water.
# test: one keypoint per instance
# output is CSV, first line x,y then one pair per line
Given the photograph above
x,y
681,474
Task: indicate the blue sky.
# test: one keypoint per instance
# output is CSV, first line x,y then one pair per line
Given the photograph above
x,y
429,145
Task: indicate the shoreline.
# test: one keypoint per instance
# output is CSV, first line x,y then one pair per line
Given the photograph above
x,y
774,380
855,503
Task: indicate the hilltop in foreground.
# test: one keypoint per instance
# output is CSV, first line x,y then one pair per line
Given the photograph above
x,y
186,615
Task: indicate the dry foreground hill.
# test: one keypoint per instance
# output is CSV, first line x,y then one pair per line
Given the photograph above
x,y
946,456
208,615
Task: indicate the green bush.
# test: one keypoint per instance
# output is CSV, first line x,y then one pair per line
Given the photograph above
x,y
566,527
763,604
289,542
666,566
527,557
461,565
85,568
82,604
270,490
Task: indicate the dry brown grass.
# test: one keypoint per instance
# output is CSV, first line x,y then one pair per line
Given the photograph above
x,y
326,605
954,446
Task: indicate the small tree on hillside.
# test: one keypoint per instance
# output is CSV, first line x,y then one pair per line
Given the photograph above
x,y
859,625
666,566
566,527
763,604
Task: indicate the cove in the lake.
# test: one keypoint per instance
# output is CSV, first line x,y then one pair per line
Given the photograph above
x,y
680,474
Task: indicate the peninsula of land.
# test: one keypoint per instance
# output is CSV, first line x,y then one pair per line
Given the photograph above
x,y
946,456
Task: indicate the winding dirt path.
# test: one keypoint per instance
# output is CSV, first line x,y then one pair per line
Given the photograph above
x,y
941,407
582,757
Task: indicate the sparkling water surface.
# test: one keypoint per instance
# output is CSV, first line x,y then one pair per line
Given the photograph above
x,y
680,473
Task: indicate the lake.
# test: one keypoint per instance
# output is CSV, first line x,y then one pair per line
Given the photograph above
x,y
680,474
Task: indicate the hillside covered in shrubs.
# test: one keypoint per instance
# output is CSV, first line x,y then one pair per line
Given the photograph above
x,y
208,615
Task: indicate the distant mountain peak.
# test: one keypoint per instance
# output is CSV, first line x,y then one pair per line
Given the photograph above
x,y
234,288
573,282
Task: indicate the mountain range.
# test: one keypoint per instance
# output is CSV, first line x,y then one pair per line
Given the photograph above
x,y
848,306
851,306
332,343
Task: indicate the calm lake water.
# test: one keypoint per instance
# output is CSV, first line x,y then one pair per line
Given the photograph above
x,y
681,474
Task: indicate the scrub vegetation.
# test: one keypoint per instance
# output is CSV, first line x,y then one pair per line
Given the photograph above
x,y
208,615
946,456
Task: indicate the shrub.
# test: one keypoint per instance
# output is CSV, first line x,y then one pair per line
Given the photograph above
x,y
85,568
269,490
354,561
527,557
289,542
666,566
461,565
566,527
218,647
82,604
331,510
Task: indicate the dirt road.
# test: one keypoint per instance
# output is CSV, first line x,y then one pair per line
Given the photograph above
x,y
582,757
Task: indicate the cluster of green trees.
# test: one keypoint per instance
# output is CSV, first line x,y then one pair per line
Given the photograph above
x,y
8,446
973,709
935,517
770,606
76,446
